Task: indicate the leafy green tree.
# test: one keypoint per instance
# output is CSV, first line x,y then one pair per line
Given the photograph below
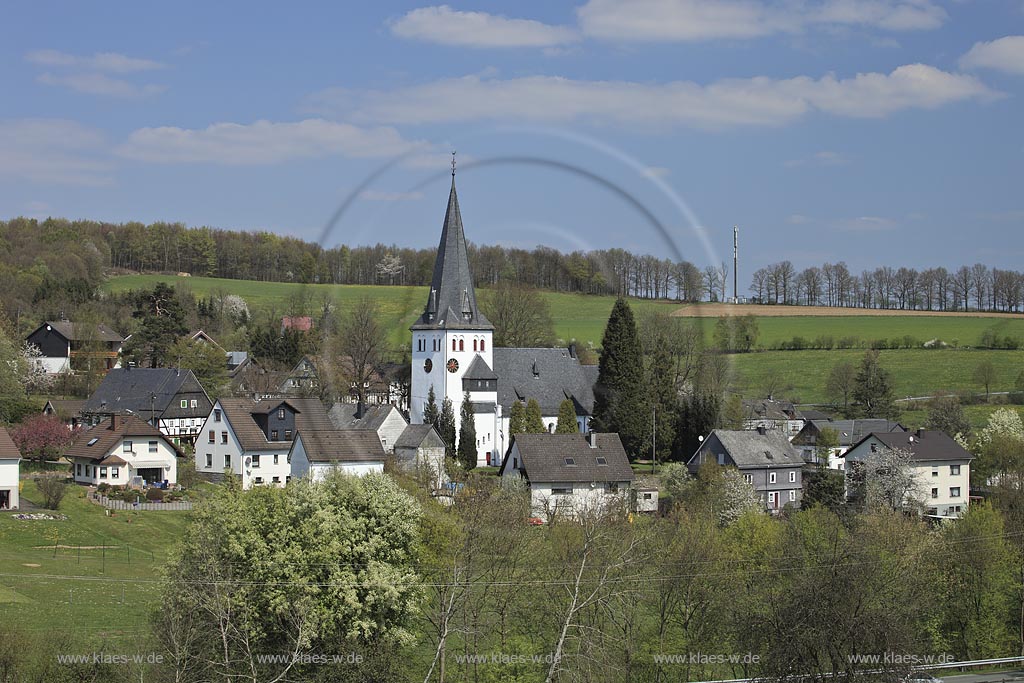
x,y
985,375
446,426
517,418
733,415
872,391
663,398
947,415
567,418
431,416
619,401
698,417
534,421
840,384
467,434
827,442
521,316
206,361
824,487
163,321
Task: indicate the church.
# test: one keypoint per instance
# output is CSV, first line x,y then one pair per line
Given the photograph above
x,y
453,353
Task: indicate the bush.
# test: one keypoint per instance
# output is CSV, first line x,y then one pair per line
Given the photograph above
x,y
848,343
52,489
103,488
880,344
153,494
825,342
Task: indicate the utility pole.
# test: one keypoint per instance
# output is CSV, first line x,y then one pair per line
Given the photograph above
x,y
735,263
654,438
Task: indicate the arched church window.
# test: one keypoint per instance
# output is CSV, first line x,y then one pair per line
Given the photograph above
x,y
482,342
474,345
453,345
462,344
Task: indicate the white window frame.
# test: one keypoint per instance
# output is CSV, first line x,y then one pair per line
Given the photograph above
x,y
772,477
792,477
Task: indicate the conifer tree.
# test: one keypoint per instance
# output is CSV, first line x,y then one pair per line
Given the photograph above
x,y
872,390
446,426
430,414
664,400
567,418
619,405
517,418
467,434
534,419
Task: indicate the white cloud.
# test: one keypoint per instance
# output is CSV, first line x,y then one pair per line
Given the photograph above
x,y
383,196
721,104
1005,54
822,158
866,224
263,142
695,20
52,151
445,26
99,84
797,219
101,61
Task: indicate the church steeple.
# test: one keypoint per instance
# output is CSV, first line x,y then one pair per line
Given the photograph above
x,y
451,303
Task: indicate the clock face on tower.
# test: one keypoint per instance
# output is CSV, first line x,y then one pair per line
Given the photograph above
x,y
452,365
428,365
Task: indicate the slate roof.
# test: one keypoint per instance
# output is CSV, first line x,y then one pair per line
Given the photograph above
x,y
333,445
543,458
924,444
479,370
814,415
107,434
145,390
752,449
66,407
78,331
416,436
451,302
343,416
848,431
310,415
548,375
767,409
8,450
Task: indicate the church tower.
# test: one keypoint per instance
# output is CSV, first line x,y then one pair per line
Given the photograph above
x,y
452,340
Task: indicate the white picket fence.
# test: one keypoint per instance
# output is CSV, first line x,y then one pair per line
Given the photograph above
x,y
143,504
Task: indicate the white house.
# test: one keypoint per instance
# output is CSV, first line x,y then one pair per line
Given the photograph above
x,y
252,439
847,433
10,464
941,468
119,449
420,450
68,347
569,474
317,452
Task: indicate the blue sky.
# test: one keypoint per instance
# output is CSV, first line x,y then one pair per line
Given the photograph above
x,y
878,132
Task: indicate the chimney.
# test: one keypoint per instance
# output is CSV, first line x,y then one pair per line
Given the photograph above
x,y
360,410
592,439
572,350
762,430
115,422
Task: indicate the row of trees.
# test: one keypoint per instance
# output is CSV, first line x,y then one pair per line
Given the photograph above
x,y
976,287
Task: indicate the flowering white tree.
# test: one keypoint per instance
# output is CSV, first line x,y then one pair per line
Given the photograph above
x,y
33,374
1003,423
888,479
736,497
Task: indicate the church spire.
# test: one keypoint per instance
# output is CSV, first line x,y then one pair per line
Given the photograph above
x,y
451,303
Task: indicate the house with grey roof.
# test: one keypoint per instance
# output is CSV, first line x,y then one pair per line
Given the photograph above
x,y
68,410
316,453
10,468
940,468
847,433
386,421
569,475
252,439
781,416
420,451
765,458
69,347
171,399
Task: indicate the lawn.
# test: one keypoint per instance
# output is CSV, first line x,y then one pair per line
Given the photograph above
x,y
115,561
977,415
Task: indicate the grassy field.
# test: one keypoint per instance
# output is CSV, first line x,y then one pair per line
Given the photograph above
x,y
977,415
582,317
115,561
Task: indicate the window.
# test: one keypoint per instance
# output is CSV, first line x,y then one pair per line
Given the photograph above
x,y
287,435
792,496
474,344
647,496
194,403
462,344
273,435
259,480
277,480
570,461
216,415
223,437
209,460
721,458
792,477
88,471
227,461
275,458
482,342
103,473
602,461
772,476
954,470
255,461
153,447
184,403
78,469
92,440
935,473
565,491
287,478
935,493
454,345
213,436
749,478
114,473
127,447
280,413
954,491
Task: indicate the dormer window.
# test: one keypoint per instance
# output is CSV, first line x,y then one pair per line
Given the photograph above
x,y
571,462
280,413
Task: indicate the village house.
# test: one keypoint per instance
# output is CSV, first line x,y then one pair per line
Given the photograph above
x,y
765,458
420,451
386,421
847,433
10,466
171,399
570,474
316,453
123,450
75,347
68,411
780,416
251,439
941,468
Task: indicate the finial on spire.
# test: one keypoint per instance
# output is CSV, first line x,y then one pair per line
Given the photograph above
x,y
453,163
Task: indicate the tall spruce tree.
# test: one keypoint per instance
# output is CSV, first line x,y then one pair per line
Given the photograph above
x,y
446,426
872,390
534,420
567,418
517,418
467,434
430,414
619,405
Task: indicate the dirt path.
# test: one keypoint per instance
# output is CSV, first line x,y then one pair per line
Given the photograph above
x,y
719,309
